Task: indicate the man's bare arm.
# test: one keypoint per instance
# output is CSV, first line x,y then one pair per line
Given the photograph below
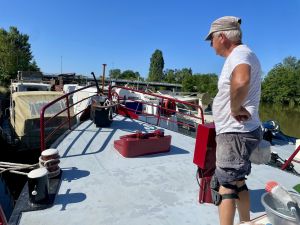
x,y
239,88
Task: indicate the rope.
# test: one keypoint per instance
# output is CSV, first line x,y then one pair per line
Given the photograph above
x,y
14,167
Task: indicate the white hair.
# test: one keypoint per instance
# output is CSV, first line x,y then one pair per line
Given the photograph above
x,y
232,35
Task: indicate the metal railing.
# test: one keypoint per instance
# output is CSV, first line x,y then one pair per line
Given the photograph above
x,y
44,121
161,110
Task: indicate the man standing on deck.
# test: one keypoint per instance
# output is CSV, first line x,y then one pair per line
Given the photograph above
x,y
235,113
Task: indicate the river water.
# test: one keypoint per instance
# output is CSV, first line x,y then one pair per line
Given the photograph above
x,y
287,117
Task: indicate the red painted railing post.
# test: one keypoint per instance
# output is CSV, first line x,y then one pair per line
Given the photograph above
x,y
287,162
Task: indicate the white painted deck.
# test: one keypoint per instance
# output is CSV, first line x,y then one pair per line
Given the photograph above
x,y
99,186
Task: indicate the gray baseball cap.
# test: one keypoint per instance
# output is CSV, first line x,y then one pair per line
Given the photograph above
x,y
224,23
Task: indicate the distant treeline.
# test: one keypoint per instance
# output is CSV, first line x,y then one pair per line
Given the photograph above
x,y
280,85
190,82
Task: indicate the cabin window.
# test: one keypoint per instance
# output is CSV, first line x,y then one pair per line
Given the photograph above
x,y
32,89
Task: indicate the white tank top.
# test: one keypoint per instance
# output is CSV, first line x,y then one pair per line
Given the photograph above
x,y
224,122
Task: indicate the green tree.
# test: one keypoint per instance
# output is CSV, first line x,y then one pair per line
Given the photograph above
x,y
33,66
207,83
115,73
189,84
203,83
156,66
180,75
15,54
281,85
130,75
291,62
169,76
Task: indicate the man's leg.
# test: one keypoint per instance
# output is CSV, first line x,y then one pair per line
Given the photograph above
x,y
227,207
243,203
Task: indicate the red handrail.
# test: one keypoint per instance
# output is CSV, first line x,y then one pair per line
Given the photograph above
x,y
42,115
43,139
290,159
168,98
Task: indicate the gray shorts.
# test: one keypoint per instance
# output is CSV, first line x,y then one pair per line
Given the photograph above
x,y
233,153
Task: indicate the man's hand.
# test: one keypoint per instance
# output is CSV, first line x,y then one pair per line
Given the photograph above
x,y
241,115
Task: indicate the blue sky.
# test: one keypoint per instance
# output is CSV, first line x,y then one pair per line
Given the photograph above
x,y
125,33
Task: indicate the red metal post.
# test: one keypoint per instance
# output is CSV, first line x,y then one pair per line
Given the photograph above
x,y
287,162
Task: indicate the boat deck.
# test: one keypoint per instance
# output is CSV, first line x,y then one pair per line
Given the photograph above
x,y
100,186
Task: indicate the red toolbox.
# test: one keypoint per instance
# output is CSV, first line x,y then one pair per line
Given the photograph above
x,y
205,148
205,159
139,144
